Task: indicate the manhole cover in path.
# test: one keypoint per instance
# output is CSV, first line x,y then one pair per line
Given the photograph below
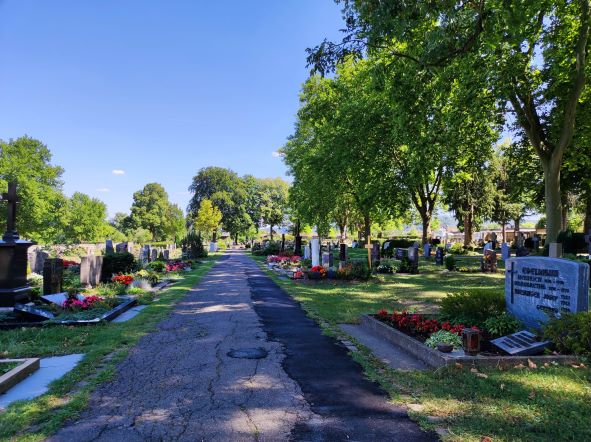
x,y
248,353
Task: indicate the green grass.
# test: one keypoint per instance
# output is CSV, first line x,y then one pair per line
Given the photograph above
x,y
103,345
5,367
344,301
543,404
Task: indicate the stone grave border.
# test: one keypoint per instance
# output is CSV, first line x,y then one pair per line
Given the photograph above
x,y
26,367
435,359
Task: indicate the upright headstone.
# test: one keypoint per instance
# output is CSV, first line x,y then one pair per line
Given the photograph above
x,y
413,259
555,250
439,255
399,254
91,268
536,241
121,247
342,252
427,251
298,245
283,242
36,260
53,274
145,254
154,255
537,288
307,254
109,247
520,239
325,259
505,251
315,250
166,254
213,246
375,252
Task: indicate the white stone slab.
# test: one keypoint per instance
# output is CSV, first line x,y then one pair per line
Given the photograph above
x,y
129,314
37,384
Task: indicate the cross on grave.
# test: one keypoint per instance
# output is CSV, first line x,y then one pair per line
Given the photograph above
x,y
11,235
369,247
588,241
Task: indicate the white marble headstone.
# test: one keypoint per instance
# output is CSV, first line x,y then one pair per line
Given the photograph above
x,y
315,249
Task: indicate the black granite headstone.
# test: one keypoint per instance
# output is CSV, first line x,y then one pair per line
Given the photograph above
x,y
439,255
53,273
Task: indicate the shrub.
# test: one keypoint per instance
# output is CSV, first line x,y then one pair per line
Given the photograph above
x,y
70,280
114,263
193,246
572,242
150,275
360,269
273,248
457,249
450,262
444,337
385,268
157,266
571,333
110,289
501,325
473,307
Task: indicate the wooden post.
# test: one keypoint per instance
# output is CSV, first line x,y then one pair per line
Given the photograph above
x,y
368,246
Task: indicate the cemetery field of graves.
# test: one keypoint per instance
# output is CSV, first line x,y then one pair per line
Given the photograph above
x,y
102,344
523,401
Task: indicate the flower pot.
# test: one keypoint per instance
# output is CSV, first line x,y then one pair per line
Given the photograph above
x,y
445,348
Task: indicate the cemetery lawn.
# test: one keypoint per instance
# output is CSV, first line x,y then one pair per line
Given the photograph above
x,y
103,345
521,404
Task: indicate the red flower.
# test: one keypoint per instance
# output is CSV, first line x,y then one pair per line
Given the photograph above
x,y
122,279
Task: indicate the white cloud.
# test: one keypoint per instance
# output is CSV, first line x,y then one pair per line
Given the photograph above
x,y
277,154
118,172
103,190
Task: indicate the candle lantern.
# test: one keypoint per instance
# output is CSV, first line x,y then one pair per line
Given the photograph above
x,y
471,341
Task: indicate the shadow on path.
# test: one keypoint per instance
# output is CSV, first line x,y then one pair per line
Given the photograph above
x,y
347,405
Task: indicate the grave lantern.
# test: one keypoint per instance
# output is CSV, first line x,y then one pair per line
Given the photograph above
x,y
471,341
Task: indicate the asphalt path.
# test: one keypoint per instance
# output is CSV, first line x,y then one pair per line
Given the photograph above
x,y
239,360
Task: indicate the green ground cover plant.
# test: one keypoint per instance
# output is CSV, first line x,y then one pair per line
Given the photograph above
x,y
104,345
541,403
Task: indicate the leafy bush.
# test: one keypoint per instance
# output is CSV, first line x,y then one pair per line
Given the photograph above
x,y
385,268
450,262
444,337
114,263
193,246
109,289
273,248
306,263
571,333
152,276
360,269
457,249
501,325
472,307
157,266
71,280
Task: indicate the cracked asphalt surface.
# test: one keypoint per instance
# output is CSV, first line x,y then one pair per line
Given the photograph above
x,y
179,383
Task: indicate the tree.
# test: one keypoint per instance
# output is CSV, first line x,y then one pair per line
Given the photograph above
x,y
28,162
226,191
535,53
208,219
150,210
274,197
121,221
85,219
176,226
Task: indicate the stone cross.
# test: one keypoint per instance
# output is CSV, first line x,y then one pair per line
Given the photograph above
x,y
11,235
369,248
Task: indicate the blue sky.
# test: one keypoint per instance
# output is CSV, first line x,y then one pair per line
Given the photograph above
x,y
127,92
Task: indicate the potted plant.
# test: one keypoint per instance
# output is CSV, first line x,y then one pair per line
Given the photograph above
x,y
444,341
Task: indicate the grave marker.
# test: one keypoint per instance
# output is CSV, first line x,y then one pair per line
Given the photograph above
x,y
413,259
91,268
53,273
439,254
109,247
315,250
537,288
369,248
427,251
523,343
307,254
505,251
555,250
343,252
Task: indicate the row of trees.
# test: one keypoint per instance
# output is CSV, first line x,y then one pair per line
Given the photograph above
x,y
48,216
241,204
416,106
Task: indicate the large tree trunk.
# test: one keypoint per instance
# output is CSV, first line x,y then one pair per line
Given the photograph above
x,y
271,232
552,195
367,227
587,225
426,220
468,228
343,230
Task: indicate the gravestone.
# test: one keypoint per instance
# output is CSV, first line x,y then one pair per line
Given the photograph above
x,y
283,242
538,287
315,251
307,254
439,255
588,241
91,268
14,286
145,254
298,245
325,259
53,273
33,313
343,252
385,247
213,247
399,254
375,252
523,343
427,251
154,255
36,259
121,247
493,240
166,254
488,262
505,251
555,250
109,247
413,259
520,240
536,241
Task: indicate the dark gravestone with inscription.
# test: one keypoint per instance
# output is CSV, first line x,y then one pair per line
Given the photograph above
x,y
439,255
537,288
342,252
413,259
91,268
13,257
53,274
375,252
399,254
